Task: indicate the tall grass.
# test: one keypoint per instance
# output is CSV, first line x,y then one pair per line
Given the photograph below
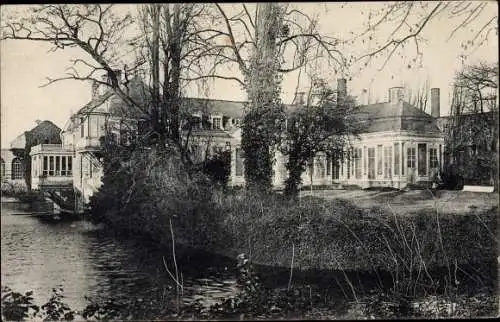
x,y
408,256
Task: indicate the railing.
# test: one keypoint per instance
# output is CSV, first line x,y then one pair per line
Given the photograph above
x,y
51,148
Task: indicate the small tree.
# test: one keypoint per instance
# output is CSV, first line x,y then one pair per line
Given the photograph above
x,y
322,124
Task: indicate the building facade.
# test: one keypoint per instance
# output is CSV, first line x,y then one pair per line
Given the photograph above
x,y
399,145
15,162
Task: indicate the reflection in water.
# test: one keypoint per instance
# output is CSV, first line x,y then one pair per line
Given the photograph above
x,y
40,256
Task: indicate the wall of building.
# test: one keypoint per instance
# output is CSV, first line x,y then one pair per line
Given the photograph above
x,y
7,158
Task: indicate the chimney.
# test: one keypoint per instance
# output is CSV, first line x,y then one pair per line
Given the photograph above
x,y
395,94
341,91
435,102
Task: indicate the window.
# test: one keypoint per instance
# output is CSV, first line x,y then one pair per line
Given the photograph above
x,y
422,159
336,165
63,165
396,159
2,168
358,153
328,165
365,161
34,166
433,158
217,123
411,158
387,161
371,163
51,165
58,165
440,152
379,160
17,169
348,161
402,158
45,165
239,163
70,166
319,164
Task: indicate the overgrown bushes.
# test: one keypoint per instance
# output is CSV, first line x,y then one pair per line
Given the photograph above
x,y
146,191
149,193
423,252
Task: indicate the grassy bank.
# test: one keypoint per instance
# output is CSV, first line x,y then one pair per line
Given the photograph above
x,y
336,234
406,254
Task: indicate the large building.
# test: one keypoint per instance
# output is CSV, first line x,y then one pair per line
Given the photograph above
x,y
399,145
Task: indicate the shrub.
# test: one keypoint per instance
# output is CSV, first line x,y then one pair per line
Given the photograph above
x,y
146,191
13,189
412,252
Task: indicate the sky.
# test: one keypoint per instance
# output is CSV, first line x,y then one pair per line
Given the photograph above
x,y
25,66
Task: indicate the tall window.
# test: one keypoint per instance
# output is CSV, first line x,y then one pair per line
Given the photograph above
x,y
51,165
358,154
320,166
396,159
348,161
336,165
63,165
328,164
17,169
402,159
58,165
440,153
45,166
2,168
365,161
433,158
422,159
371,163
34,166
411,157
379,160
387,161
70,166
239,162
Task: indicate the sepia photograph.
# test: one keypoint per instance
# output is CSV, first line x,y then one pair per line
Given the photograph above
x,y
249,161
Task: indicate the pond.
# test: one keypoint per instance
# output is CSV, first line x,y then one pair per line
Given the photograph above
x,y
83,260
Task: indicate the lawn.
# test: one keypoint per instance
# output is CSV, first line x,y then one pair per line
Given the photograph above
x,y
446,201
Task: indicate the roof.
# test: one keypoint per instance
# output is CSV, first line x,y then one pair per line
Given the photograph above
x,y
43,132
233,109
95,103
379,117
383,117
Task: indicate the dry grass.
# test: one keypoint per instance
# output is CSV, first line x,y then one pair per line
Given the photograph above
x,y
457,202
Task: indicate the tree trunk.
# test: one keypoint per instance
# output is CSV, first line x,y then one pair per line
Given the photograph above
x,y
294,180
263,89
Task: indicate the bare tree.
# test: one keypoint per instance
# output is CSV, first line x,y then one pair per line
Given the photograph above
x,y
418,95
472,129
399,24
259,43
162,45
